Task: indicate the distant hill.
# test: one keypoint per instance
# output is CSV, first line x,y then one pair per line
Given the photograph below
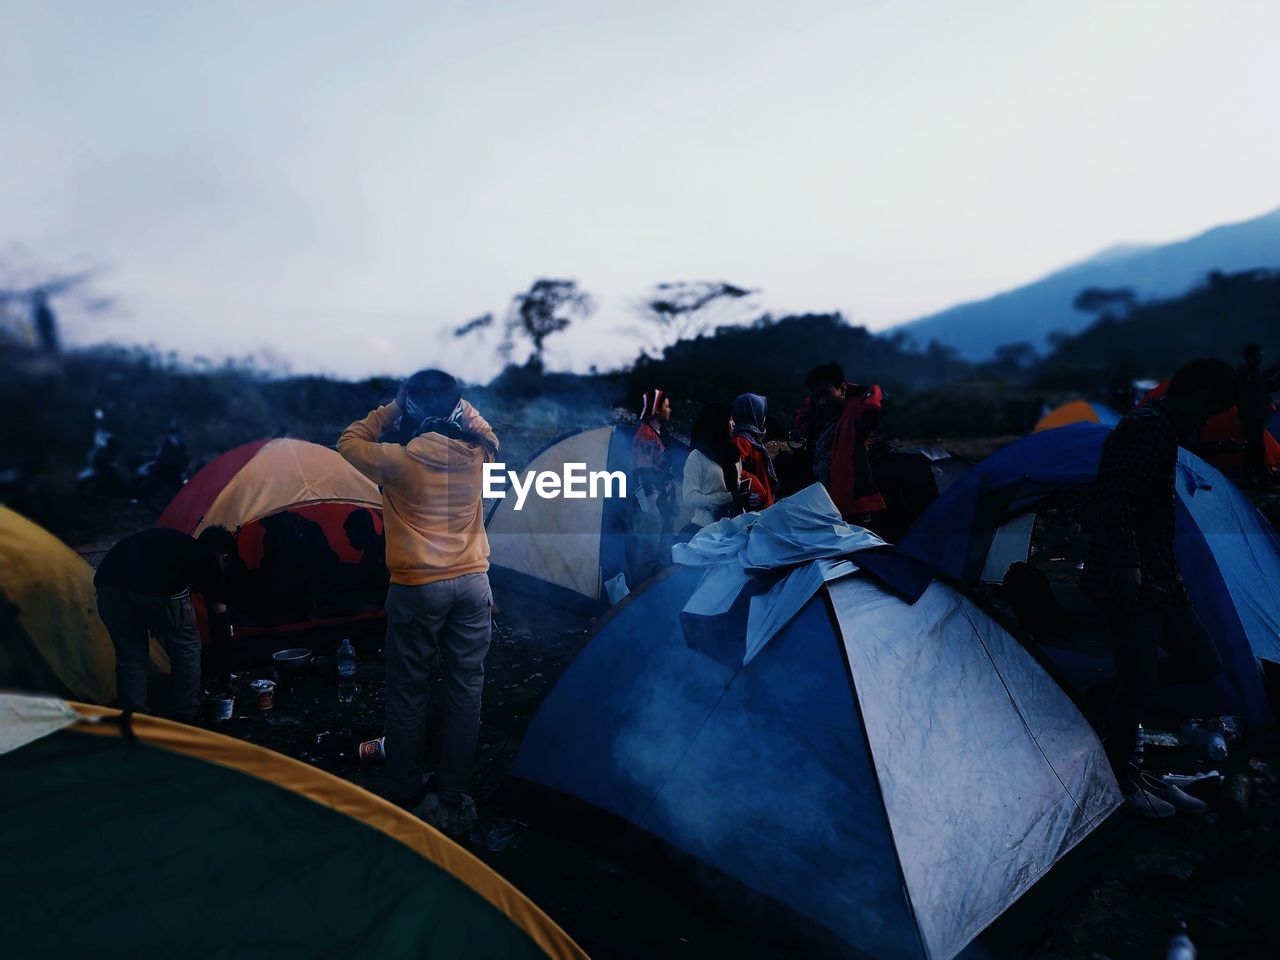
x,y
1032,312
1213,320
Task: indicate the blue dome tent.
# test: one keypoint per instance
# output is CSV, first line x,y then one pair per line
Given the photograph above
x,y
897,773
1228,554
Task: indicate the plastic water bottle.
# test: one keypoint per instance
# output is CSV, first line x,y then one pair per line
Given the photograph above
x,y
1139,748
346,660
1180,946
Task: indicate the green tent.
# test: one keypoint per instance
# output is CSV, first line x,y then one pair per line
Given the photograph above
x,y
131,836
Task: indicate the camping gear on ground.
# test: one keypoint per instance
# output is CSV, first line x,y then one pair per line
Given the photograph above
x,y
286,502
264,693
51,637
346,659
173,806
1078,411
1213,734
563,549
897,774
223,707
291,660
1227,552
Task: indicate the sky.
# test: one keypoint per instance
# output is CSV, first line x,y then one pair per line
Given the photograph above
x,y
334,186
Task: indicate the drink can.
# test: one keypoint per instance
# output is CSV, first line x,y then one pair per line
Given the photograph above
x,y
264,690
223,707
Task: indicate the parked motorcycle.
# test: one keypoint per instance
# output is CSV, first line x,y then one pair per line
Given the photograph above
x,y
152,480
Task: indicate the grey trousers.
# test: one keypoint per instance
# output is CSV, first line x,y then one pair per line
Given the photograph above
x,y
648,530
455,617
129,618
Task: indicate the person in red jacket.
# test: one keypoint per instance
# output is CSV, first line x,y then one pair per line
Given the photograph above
x,y
835,422
749,411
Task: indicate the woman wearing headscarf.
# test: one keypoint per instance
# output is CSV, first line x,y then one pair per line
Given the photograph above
x,y
748,435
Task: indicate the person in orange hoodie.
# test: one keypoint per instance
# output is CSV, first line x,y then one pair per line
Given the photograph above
x,y
427,451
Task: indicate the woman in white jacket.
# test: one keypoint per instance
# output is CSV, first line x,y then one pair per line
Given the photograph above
x,y
712,471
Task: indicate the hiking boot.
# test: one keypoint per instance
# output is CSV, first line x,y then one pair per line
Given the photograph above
x,y
1148,804
1177,798
453,818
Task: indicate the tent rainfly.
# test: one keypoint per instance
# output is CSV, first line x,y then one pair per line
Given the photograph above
x,y
51,639
1228,553
1078,411
134,836
898,773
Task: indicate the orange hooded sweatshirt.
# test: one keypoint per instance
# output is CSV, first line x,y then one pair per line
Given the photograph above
x,y
431,486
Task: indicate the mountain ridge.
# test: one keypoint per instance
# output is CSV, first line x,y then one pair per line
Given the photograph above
x,y
1033,311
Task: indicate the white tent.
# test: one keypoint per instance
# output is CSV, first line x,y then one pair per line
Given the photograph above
x,y
570,548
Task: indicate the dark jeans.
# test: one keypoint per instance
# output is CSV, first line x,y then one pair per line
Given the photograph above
x,y
1138,633
1255,453
455,617
129,618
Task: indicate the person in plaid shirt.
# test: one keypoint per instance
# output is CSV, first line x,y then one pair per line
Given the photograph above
x,y
1133,573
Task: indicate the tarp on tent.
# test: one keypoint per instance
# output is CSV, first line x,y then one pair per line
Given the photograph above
x,y
255,486
1078,411
897,773
1228,554
174,840
51,639
571,548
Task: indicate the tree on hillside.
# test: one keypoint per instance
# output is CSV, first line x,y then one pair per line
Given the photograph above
x,y
482,322
1154,338
1015,357
547,307
1100,300
26,306
685,309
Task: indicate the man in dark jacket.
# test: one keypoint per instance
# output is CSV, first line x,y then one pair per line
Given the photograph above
x,y
835,422
1133,573
144,587
1256,387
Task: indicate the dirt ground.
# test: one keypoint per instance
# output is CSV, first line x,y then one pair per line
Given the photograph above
x,y
1117,896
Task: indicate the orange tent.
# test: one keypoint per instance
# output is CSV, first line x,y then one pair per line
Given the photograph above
x,y
1078,411
1222,439
245,488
